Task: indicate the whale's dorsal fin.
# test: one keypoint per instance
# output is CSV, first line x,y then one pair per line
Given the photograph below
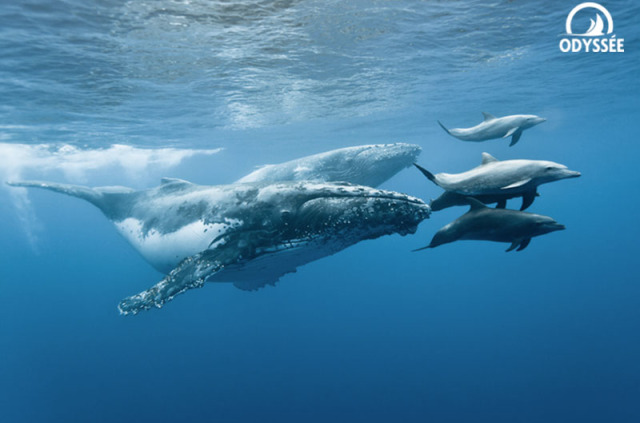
x,y
488,158
165,181
488,116
475,204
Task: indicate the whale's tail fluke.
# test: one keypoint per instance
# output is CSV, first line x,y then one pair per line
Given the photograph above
x,y
96,196
444,127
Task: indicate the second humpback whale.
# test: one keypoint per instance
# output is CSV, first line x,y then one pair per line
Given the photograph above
x,y
368,165
492,127
249,234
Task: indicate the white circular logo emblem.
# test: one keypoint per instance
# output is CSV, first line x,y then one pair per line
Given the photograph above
x,y
597,25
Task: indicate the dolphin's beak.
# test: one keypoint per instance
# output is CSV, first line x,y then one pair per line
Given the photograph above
x,y
558,227
574,174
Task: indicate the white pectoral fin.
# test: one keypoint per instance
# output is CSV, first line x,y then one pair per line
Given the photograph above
x,y
511,132
517,184
190,273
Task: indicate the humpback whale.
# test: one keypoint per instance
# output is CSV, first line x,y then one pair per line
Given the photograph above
x,y
368,165
249,234
482,223
492,127
497,181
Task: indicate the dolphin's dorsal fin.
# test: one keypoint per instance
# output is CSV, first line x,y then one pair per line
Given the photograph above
x,y
475,204
488,116
488,158
165,181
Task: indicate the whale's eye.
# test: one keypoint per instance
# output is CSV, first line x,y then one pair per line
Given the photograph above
x,y
549,167
285,215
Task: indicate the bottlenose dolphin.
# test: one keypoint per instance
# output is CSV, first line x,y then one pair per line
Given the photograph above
x,y
493,127
249,234
482,223
497,181
368,165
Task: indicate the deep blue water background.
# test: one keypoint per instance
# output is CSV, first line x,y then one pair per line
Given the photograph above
x,y
461,333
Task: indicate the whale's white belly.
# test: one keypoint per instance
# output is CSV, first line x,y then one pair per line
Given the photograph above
x,y
165,250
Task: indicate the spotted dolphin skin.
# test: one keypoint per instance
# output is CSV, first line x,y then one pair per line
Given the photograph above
x,y
369,165
249,234
492,127
497,181
482,223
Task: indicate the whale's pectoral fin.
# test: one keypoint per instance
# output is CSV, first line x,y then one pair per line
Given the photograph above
x,y
501,204
515,138
524,244
527,199
190,273
254,285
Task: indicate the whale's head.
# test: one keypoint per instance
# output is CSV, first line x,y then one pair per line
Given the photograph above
x,y
546,171
531,120
373,164
336,212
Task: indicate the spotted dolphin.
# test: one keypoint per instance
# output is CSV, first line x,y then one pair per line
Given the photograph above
x,y
482,223
492,127
498,180
249,234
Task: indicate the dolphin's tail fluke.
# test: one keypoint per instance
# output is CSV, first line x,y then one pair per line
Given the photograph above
x,y
95,196
444,127
423,248
430,176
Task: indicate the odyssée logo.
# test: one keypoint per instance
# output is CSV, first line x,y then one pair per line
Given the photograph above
x,y
594,39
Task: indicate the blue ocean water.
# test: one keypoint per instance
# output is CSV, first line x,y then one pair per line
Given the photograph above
x,y
464,332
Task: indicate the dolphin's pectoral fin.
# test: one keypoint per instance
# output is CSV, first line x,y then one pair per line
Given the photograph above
x,y
515,138
517,184
190,273
527,199
513,246
501,204
524,244
511,132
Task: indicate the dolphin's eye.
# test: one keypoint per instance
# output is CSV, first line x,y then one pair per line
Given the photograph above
x,y
549,167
